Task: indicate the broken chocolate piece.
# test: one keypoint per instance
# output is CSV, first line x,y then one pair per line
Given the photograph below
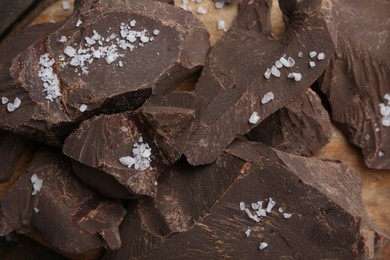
x,y
11,148
320,215
358,76
103,147
70,215
301,128
241,71
109,57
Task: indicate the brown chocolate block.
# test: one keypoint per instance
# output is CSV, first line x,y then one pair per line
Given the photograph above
x,y
11,148
358,76
196,213
302,127
148,47
69,214
164,123
234,81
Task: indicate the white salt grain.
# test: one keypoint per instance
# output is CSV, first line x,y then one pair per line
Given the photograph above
x,y
260,203
65,5
270,205
248,213
312,54
312,64
83,107
120,63
4,100
70,51
300,54
155,183
17,102
127,161
156,32
63,39
36,210
263,245
242,205
267,73
248,232
280,209
278,64
381,153
294,75
287,215
221,25
10,107
256,218
219,5
254,118
255,206
37,184
267,98
261,213
321,56
78,23
275,71
201,10
284,62
291,61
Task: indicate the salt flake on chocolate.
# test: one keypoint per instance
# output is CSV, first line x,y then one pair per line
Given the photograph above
x,y
254,118
267,98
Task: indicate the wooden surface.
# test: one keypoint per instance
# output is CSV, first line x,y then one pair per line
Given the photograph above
x,y
376,183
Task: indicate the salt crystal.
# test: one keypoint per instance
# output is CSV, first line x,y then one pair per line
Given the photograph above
x,y
386,121
312,64
260,203
291,61
127,161
261,213
295,76
312,54
248,213
381,153
120,63
63,39
201,10
263,245
254,118
36,210
144,39
267,73
270,205
4,100
78,23
90,41
156,32
221,25
255,206
155,183
10,107
321,56
219,5
83,107
280,209
287,215
284,62
248,232
133,22
384,110
65,5
17,102
242,205
256,218
275,71
377,129
278,64
300,54
367,137
140,139
267,98
70,51
387,97
37,184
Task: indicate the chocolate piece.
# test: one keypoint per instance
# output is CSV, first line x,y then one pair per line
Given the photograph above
x,y
301,128
163,123
70,215
197,210
95,67
358,76
233,83
11,148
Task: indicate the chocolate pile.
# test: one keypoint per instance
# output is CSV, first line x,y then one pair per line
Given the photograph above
x,y
129,161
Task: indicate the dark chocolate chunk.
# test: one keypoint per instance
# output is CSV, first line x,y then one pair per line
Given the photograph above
x,y
301,128
164,123
197,213
233,83
69,214
358,76
11,148
109,57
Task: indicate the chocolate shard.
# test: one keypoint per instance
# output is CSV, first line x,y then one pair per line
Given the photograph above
x,y
197,212
302,127
108,57
234,81
99,144
11,148
357,80
69,214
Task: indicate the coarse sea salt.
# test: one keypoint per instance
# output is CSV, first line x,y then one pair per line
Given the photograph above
x,y
295,75
83,107
141,157
300,54
384,110
267,73
51,84
248,232
287,215
284,62
263,245
278,64
63,39
201,10
312,64
242,205
275,71
4,100
221,25
78,23
267,98
65,5
254,118
321,56
270,205
255,206
219,5
37,184
381,153
248,213
36,210
312,54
